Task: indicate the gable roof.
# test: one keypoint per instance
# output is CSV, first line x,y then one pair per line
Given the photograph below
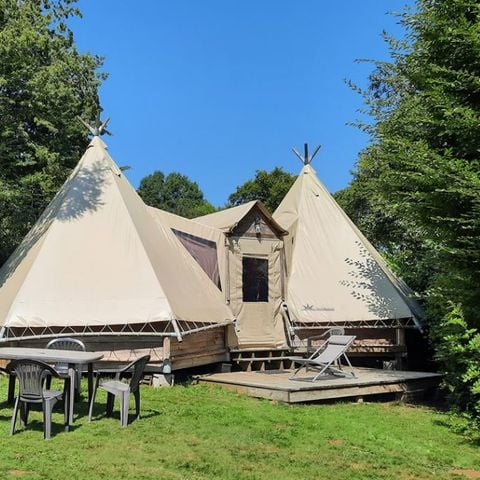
x,y
96,261
334,274
191,226
226,220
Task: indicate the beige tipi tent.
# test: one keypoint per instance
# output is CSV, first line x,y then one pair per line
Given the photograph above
x,y
335,277
96,263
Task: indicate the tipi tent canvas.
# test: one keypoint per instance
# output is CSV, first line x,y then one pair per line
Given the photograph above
x,y
96,264
335,277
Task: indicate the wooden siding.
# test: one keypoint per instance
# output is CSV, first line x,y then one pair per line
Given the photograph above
x,y
197,349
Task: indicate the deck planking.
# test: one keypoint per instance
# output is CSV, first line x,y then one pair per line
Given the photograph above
x,y
276,385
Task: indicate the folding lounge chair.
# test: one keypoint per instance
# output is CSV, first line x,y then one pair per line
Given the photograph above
x,y
325,357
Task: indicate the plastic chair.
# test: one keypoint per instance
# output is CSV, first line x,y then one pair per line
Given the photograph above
x,y
67,343
121,389
31,375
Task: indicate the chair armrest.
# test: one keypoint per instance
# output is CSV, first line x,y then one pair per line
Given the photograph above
x,y
108,372
118,372
296,359
316,337
324,335
310,340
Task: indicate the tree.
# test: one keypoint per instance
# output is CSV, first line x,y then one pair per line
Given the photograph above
x,y
45,83
424,160
269,187
422,169
174,193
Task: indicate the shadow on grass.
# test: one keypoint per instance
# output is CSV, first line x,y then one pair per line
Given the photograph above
x,y
459,426
100,413
80,414
37,425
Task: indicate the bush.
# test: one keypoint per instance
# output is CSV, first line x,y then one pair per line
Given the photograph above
x,y
457,350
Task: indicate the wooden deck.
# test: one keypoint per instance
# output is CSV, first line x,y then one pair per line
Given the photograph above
x,y
276,385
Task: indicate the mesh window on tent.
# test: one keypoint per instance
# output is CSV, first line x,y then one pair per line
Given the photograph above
x,y
255,279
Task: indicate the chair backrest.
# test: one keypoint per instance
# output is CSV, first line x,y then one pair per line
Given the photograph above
x,y
341,339
66,343
313,349
30,374
335,331
330,354
335,346
138,366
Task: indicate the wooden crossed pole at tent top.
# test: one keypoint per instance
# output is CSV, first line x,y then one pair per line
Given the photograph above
x,y
97,127
305,159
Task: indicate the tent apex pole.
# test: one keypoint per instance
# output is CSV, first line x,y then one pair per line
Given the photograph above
x,y
314,153
294,150
306,159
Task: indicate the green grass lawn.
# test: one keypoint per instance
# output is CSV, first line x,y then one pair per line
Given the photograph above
x,y
201,432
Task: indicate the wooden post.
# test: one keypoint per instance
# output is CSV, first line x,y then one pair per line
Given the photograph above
x,y
225,342
283,270
227,271
166,347
400,357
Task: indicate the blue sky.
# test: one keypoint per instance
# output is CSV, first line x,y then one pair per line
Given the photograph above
x,y
216,89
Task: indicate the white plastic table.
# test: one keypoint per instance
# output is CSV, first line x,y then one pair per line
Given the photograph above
x,y
46,355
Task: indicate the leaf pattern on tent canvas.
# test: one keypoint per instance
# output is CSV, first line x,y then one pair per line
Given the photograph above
x,y
367,284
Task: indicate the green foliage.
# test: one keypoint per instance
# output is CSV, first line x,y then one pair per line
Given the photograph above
x,y
174,193
269,187
416,192
458,351
44,84
204,433
424,160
